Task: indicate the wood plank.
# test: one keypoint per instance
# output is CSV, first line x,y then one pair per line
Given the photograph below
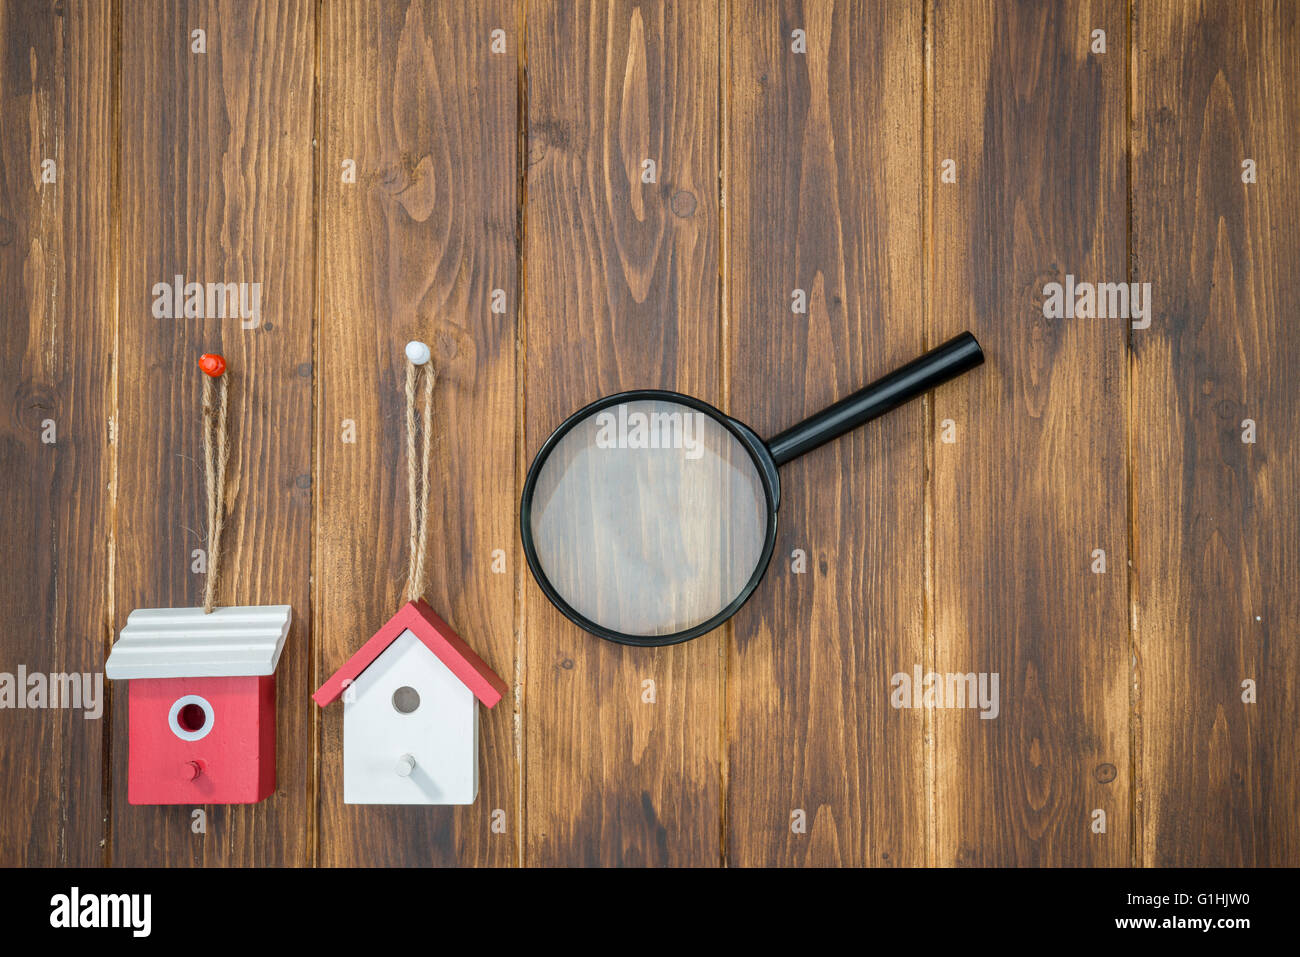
x,y
414,249
824,195
56,271
621,293
216,186
1035,481
1217,533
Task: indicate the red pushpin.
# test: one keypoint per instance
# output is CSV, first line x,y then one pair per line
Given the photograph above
x,y
212,364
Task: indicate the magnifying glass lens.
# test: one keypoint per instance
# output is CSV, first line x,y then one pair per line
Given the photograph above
x,y
648,517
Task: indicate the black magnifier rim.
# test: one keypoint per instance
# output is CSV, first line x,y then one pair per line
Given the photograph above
x,y
763,462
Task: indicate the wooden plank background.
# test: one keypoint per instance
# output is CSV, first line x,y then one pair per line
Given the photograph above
x,y
1216,525
56,305
1035,480
216,185
824,201
621,292
413,250
837,186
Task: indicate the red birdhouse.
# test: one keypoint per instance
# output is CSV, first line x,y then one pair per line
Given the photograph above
x,y
202,702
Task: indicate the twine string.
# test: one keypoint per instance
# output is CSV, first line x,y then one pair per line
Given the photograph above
x,y
419,378
216,452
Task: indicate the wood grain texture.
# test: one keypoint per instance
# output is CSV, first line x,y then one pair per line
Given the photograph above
x,y
823,183
1036,478
775,171
622,292
1217,536
56,314
414,249
216,186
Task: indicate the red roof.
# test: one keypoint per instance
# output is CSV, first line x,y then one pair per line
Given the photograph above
x,y
438,637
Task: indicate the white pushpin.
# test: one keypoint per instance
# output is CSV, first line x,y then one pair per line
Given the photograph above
x,y
405,765
417,352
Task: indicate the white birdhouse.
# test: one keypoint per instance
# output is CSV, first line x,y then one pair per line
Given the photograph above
x,y
410,713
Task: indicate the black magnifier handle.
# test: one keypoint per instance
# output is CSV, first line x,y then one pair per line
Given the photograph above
x,y
959,354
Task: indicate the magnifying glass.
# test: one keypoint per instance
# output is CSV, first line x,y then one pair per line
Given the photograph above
x,y
649,517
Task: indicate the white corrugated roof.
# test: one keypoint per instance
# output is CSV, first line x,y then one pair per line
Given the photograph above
x,y
185,643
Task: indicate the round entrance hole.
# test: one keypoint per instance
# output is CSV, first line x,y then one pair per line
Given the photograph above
x,y
405,699
192,717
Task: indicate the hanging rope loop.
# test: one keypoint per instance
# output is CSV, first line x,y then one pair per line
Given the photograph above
x,y
216,452
420,377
